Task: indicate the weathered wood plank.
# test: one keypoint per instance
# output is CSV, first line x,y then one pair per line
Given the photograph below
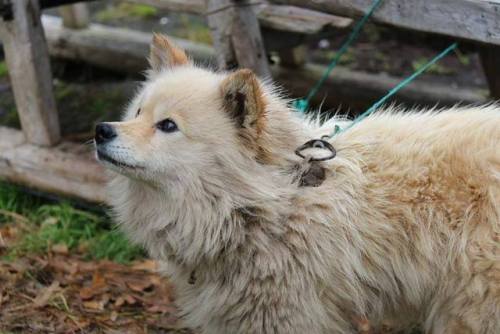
x,y
75,16
285,18
476,20
100,45
67,169
359,90
29,69
97,39
490,59
298,20
236,35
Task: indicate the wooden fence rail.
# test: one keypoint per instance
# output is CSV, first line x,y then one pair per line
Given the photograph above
x,y
101,45
280,17
474,20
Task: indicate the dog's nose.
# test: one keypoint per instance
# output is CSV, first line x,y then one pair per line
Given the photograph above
x,y
104,132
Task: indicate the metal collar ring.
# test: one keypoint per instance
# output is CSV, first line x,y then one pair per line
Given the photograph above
x,y
320,144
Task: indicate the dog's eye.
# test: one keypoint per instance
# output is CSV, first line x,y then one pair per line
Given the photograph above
x,y
167,125
138,112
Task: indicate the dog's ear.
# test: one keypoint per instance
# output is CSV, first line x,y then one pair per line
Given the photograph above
x,y
165,54
243,100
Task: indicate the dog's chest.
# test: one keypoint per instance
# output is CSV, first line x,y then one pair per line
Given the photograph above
x,y
204,298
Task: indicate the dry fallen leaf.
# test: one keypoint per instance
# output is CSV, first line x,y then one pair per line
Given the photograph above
x,y
113,316
61,264
94,305
129,299
98,286
139,285
7,235
43,298
60,249
119,301
146,265
14,215
160,309
82,295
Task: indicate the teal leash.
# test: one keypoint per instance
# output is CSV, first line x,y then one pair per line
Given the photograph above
x,y
396,89
325,145
303,104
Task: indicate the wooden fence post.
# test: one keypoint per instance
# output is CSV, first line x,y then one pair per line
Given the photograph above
x,y
293,58
490,59
236,34
75,16
28,63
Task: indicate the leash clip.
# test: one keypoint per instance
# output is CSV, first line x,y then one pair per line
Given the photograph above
x,y
317,144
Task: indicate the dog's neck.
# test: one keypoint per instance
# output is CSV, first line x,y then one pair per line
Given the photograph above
x,y
196,221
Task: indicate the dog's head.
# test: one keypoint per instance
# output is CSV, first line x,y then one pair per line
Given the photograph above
x,y
184,118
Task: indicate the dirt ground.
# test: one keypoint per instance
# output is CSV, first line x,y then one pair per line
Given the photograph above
x,y
62,292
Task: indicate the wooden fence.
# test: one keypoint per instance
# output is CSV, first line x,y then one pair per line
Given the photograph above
x,y
240,29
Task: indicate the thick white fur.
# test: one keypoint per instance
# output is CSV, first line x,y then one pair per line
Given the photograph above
x,y
404,230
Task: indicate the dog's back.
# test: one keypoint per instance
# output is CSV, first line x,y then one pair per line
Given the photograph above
x,y
403,227
430,225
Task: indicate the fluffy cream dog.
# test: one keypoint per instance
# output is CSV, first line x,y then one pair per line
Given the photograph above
x,y
404,228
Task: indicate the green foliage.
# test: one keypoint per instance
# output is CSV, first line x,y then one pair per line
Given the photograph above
x,y
194,30
434,69
462,58
64,91
347,58
101,102
383,60
12,199
372,32
3,69
126,10
113,245
61,223
138,10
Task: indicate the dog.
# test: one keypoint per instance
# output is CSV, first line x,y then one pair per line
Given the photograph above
x,y
401,228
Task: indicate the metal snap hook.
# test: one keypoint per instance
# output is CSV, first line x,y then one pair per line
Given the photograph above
x,y
319,144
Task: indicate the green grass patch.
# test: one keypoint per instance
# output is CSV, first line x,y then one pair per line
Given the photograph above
x,y
3,69
434,69
126,10
48,224
347,58
462,58
193,30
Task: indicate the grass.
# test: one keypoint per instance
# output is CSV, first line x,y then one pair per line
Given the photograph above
x,y
347,58
193,30
97,103
434,69
126,10
3,69
48,224
462,58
